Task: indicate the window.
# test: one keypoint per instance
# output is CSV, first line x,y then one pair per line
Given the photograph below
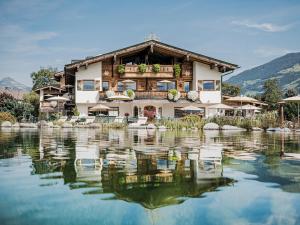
x,y
186,86
208,85
105,86
114,111
127,85
165,86
88,85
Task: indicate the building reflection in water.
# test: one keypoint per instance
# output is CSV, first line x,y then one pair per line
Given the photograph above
x,y
151,168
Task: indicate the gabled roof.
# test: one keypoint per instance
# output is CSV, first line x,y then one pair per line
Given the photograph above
x,y
156,44
50,87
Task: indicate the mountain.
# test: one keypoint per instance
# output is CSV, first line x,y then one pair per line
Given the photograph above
x,y
10,84
285,69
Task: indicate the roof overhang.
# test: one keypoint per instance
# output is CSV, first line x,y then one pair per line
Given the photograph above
x,y
222,65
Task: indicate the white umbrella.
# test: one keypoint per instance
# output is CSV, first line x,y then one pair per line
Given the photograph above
x,y
250,107
119,97
128,81
294,99
242,99
220,106
99,108
191,108
165,81
58,99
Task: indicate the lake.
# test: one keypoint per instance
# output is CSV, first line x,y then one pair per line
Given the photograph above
x,y
93,176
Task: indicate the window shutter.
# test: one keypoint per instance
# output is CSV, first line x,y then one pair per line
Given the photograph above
x,y
218,86
97,85
79,85
200,85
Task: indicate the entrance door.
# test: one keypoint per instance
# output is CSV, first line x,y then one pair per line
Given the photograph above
x,y
150,112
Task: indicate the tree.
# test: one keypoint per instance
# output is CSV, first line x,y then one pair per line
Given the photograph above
x,y
272,94
230,89
43,77
33,99
290,108
19,109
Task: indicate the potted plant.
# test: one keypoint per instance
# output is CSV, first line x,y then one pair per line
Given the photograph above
x,y
121,69
193,95
142,68
173,95
177,70
130,93
156,68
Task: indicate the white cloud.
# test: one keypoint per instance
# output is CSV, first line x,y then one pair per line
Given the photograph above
x,y
14,39
271,51
267,27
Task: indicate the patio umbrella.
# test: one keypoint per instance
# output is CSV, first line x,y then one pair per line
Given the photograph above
x,y
119,97
191,108
58,99
128,81
294,99
242,99
250,107
165,81
220,106
99,108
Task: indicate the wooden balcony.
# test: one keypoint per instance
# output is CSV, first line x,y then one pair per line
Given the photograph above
x,y
158,95
132,71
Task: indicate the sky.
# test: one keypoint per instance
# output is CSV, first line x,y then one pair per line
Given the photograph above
x,y
37,33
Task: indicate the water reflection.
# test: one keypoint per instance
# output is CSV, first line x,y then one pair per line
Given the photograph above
x,y
152,168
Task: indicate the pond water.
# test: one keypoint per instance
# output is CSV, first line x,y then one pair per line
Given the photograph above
x,y
86,176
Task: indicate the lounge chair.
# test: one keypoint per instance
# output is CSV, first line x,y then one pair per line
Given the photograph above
x,y
90,119
62,119
142,120
74,119
119,119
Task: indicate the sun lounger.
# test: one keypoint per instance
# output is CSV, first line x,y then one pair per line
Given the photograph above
x,y
62,119
142,120
74,119
90,119
119,119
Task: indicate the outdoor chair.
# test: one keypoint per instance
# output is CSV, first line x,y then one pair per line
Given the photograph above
x,y
119,119
62,119
90,119
142,120
74,119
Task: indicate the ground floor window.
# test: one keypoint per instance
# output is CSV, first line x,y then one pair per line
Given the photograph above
x,y
186,86
105,85
178,112
114,111
165,86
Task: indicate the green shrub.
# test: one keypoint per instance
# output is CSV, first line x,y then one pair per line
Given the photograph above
x,y
156,68
174,92
121,69
177,70
75,111
142,68
269,119
6,116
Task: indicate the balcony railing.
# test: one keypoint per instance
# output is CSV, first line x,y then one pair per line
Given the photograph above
x,y
159,95
132,71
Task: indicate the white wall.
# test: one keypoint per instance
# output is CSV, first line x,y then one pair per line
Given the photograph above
x,y
203,72
93,72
